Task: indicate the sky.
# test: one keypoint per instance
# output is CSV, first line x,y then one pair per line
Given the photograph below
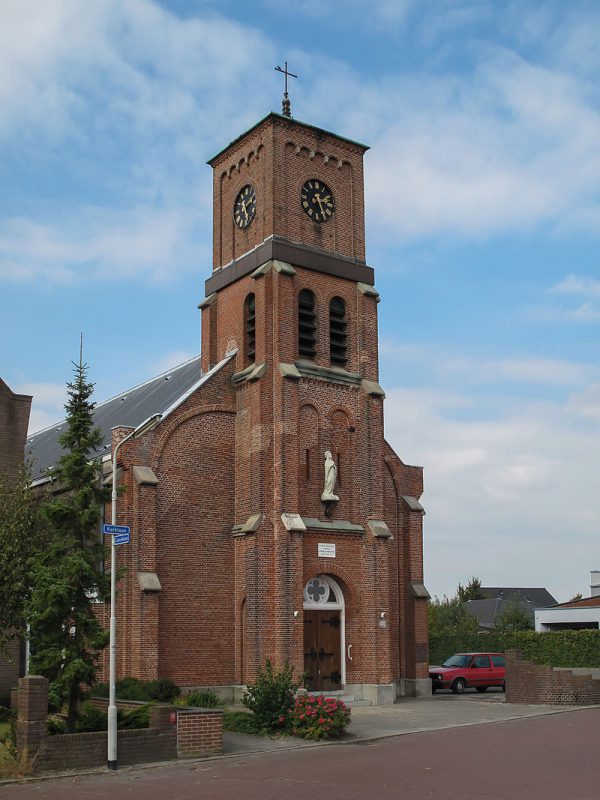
x,y
483,226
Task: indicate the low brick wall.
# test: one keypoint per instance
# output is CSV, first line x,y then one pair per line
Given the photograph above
x,y
531,683
78,750
173,732
126,705
199,732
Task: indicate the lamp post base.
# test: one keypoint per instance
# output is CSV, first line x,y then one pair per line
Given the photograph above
x,y
111,764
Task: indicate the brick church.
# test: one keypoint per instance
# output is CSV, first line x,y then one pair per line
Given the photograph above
x,y
269,517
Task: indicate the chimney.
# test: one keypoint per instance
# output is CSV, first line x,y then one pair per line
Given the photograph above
x,y
595,583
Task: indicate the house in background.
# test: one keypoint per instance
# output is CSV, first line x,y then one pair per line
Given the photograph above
x,y
575,614
500,598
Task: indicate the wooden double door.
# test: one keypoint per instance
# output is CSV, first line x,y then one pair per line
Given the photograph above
x,y
322,650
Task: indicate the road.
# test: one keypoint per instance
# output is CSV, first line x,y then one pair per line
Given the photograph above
x,y
539,758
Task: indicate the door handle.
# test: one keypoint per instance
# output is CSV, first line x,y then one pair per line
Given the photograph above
x,y
349,652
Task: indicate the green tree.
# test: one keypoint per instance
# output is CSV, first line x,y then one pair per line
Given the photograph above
x,y
23,535
449,615
472,591
66,637
514,618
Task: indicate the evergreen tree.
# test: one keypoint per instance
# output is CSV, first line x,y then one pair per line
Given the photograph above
x,y
472,591
23,536
66,637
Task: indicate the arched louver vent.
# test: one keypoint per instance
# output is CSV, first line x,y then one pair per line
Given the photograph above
x,y
250,327
307,338
338,346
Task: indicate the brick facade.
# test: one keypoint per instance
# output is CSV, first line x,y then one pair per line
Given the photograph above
x,y
248,447
14,420
531,683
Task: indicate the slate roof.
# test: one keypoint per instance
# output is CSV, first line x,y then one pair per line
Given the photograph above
x,y
161,394
486,611
540,597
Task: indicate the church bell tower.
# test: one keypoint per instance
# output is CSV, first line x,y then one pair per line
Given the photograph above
x,y
327,534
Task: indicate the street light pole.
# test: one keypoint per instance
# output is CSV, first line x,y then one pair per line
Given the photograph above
x,y
145,426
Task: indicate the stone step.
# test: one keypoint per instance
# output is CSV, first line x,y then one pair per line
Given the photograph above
x,y
591,671
348,699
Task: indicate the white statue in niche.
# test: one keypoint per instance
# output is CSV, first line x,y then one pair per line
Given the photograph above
x,y
330,479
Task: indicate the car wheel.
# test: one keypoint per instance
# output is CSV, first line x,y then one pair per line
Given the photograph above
x,y
503,687
433,690
458,687
481,688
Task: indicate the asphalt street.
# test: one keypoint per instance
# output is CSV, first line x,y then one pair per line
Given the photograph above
x,y
549,757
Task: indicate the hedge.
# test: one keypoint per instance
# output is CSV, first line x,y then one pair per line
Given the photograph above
x,y
557,648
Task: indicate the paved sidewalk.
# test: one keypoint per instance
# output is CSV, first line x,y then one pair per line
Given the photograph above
x,y
408,716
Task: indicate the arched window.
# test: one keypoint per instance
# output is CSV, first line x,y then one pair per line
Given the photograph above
x,y
338,346
250,328
307,337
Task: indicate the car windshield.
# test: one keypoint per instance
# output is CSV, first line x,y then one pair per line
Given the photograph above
x,y
456,661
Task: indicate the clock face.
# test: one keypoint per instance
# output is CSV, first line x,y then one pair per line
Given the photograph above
x,y
245,207
317,200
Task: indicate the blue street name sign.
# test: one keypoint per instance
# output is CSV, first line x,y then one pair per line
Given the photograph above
x,y
115,529
121,538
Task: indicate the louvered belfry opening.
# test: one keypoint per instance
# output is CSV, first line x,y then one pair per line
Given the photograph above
x,y
338,337
307,326
250,327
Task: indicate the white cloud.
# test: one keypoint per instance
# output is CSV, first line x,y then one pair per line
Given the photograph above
x,y
100,245
48,403
513,499
169,360
446,366
577,285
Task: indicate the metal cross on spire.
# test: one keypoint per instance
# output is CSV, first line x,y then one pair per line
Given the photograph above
x,y
286,105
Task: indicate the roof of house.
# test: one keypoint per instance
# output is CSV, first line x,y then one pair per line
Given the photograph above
x,y
584,602
130,408
486,611
539,596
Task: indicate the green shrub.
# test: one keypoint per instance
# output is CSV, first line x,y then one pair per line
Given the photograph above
x,y
558,648
133,718
162,690
91,719
56,726
202,698
6,714
271,697
240,722
318,717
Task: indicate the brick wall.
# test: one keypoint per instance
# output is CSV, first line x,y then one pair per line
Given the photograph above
x,y
14,420
173,732
527,682
277,157
199,732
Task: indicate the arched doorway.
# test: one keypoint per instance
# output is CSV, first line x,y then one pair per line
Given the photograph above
x,y
324,635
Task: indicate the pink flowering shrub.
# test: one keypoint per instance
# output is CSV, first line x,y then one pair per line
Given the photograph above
x,y
317,717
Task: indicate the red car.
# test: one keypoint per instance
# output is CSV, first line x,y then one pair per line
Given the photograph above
x,y
464,670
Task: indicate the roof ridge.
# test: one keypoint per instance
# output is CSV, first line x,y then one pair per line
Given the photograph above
x,y
119,394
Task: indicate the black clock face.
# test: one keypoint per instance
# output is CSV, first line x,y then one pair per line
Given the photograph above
x,y
245,207
317,200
